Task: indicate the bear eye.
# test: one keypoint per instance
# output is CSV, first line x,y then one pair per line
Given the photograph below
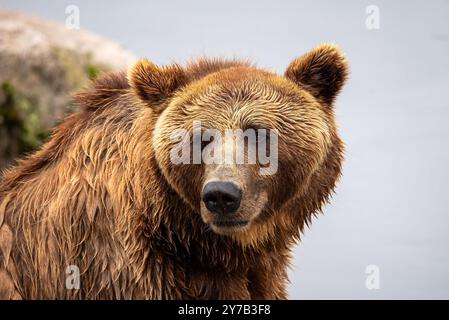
x,y
262,136
205,143
263,139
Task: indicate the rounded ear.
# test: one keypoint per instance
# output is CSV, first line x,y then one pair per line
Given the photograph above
x,y
154,84
322,72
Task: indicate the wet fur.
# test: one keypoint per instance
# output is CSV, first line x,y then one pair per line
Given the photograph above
x,y
95,197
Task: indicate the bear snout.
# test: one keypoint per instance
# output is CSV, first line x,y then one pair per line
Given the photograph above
x,y
222,197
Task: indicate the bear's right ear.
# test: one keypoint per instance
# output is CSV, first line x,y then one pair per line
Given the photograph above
x,y
155,84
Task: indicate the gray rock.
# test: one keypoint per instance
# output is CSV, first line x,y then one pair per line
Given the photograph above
x,y
41,64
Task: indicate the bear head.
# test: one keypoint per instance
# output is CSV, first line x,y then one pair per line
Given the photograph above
x,y
247,149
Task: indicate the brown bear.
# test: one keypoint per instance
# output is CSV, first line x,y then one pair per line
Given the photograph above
x,y
103,212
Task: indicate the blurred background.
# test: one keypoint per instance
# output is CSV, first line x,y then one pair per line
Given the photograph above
x,y
385,234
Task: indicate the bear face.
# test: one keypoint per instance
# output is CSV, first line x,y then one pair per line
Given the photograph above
x,y
236,107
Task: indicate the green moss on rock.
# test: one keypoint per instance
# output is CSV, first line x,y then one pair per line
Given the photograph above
x,y
20,125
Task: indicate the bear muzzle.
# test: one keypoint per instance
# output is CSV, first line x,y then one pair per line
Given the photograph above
x,y
222,198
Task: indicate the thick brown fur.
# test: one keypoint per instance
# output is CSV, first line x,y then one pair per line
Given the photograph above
x,y
101,194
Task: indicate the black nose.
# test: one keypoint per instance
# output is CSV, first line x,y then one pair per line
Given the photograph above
x,y
222,197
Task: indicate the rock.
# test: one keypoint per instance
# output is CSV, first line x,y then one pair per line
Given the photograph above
x,y
41,64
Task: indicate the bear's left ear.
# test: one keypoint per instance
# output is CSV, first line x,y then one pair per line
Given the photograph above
x,y
155,84
322,72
